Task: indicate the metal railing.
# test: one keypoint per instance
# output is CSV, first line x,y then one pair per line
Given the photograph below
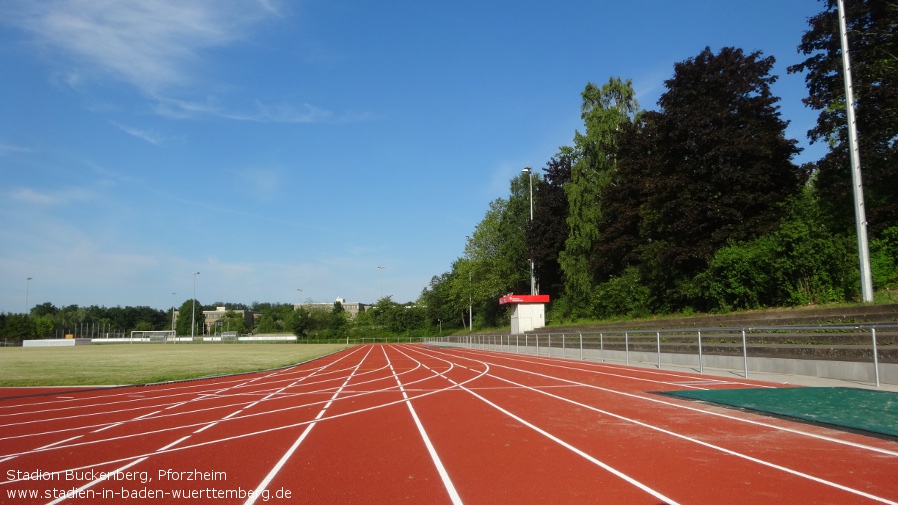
x,y
855,343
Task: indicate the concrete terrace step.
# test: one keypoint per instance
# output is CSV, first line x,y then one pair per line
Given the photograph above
x,y
862,314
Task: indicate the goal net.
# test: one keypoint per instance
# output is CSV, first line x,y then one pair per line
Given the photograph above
x,y
153,336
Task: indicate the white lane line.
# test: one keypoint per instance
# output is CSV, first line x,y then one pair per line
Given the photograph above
x,y
691,408
696,441
441,470
176,442
593,367
706,444
286,457
244,435
566,445
108,426
60,442
260,432
206,427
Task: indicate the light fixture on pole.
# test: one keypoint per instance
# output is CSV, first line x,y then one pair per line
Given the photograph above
x,y
529,172
193,310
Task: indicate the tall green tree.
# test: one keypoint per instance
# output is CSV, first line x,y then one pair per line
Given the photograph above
x,y
17,327
183,322
497,257
338,320
231,321
301,323
873,49
605,109
436,300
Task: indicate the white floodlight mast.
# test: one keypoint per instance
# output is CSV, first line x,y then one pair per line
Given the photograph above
x,y
860,217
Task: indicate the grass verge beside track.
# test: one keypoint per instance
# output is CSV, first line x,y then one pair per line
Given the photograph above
x,y
119,364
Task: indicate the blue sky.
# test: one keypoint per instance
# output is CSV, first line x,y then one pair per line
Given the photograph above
x,y
276,145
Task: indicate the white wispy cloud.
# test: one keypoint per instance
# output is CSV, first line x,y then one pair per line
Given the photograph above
x,y
149,136
154,45
161,49
9,149
50,198
259,112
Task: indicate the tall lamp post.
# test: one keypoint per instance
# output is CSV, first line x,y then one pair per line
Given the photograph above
x,y
381,268
27,285
173,315
860,216
529,172
470,299
193,309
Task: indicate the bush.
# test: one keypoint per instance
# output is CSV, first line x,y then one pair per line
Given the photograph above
x,y
884,259
798,264
621,296
738,278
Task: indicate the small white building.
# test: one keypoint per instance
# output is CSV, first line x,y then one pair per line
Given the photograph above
x,y
528,312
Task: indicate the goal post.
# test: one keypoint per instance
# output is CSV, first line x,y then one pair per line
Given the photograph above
x,y
153,336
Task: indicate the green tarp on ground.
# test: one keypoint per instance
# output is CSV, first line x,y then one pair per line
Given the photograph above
x,y
861,409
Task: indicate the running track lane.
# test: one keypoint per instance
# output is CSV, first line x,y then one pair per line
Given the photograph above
x,y
381,424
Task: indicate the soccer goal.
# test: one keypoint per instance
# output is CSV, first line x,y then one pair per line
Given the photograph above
x,y
153,336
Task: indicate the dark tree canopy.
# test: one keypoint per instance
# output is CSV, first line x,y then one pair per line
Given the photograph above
x,y
619,245
722,161
549,229
873,50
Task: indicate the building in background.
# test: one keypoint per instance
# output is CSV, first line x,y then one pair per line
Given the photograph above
x,y
352,309
212,317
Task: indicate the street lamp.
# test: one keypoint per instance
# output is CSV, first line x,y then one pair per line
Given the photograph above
x,y
381,268
173,315
27,285
470,299
860,216
529,172
193,310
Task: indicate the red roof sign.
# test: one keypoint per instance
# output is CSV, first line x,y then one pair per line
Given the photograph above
x,y
524,299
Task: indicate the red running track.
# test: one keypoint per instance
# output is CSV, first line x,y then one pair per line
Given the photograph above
x,y
420,424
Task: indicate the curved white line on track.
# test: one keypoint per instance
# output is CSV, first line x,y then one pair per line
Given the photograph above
x,y
632,481
707,412
203,396
205,424
597,366
230,417
678,435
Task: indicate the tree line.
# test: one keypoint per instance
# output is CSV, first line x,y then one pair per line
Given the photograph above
x,y
698,205
384,320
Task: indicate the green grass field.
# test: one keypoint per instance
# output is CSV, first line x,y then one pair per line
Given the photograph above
x,y
119,364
